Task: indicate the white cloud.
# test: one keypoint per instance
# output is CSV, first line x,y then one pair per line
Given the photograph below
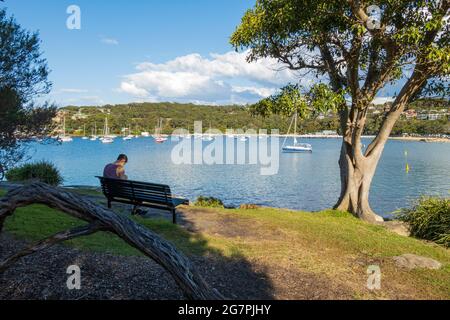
x,y
383,100
133,90
262,92
220,78
109,41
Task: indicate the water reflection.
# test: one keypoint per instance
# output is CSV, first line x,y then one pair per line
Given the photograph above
x,y
304,181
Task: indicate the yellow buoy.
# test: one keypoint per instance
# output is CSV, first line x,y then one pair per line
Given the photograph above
x,y
407,165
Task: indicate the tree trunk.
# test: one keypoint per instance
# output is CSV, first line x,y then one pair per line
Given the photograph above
x,y
356,179
357,170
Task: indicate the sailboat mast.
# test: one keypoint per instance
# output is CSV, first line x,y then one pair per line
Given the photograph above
x,y
295,128
295,125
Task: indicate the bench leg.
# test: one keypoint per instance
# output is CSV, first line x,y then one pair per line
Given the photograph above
x,y
134,210
109,204
174,216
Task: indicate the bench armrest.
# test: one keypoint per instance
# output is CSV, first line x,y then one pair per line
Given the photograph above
x,y
179,201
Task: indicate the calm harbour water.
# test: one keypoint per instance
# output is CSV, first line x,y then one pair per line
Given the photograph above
x,y
304,181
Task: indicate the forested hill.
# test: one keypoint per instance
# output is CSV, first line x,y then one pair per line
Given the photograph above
x,y
145,116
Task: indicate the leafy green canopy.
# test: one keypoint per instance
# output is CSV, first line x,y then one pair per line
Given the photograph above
x,y
357,45
23,76
22,67
290,100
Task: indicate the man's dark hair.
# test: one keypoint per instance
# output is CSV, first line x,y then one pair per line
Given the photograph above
x,y
122,157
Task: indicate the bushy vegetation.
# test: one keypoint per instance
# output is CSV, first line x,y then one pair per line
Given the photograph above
x,y
42,171
429,219
208,202
145,116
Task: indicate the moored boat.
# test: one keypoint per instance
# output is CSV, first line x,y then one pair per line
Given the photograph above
x,y
300,147
296,147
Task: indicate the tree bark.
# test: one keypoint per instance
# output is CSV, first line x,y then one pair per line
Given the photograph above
x,y
146,241
356,179
356,170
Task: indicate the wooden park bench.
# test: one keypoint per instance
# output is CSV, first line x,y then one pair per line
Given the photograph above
x,y
141,194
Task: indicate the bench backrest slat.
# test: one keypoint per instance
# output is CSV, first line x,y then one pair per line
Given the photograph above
x,y
136,191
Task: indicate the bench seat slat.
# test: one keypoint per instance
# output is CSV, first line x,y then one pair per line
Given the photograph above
x,y
136,190
132,185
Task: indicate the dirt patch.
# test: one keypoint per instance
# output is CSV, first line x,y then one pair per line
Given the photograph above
x,y
43,276
290,283
225,225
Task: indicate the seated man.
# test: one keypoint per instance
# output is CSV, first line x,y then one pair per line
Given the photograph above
x,y
116,170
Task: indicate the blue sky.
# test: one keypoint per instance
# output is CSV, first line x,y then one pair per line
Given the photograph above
x,y
153,50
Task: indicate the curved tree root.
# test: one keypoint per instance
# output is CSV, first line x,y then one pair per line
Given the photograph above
x,y
102,219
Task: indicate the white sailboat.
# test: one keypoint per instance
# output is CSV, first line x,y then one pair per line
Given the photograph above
x,y
262,136
94,136
106,136
129,136
136,129
296,147
158,136
65,138
209,136
188,134
198,135
84,133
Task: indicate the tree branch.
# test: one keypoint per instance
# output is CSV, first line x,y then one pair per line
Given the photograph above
x,y
409,89
337,81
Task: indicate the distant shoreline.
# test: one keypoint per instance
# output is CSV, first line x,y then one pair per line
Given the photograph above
x,y
311,136
418,139
421,139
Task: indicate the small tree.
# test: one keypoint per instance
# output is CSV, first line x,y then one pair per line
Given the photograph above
x,y
359,47
23,76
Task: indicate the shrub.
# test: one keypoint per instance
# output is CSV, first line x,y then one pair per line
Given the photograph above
x,y
208,202
429,219
39,171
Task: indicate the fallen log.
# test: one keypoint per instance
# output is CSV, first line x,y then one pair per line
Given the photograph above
x,y
102,219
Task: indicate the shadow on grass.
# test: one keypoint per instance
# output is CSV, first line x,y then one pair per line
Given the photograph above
x,y
110,261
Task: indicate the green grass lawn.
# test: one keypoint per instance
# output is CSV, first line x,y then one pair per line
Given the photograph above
x,y
328,243
37,222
